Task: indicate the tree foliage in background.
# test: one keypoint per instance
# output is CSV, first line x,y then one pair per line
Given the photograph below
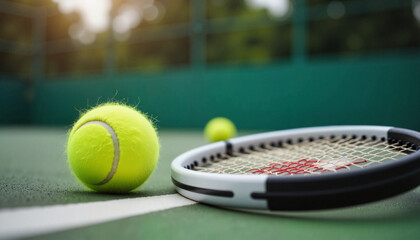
x,y
16,35
256,45
355,35
361,34
158,54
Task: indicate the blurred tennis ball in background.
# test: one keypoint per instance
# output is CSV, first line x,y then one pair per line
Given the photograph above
x,y
113,148
219,129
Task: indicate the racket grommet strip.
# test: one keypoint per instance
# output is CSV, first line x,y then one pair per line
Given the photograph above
x,y
229,148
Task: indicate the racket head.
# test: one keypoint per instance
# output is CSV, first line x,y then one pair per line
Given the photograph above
x,y
328,189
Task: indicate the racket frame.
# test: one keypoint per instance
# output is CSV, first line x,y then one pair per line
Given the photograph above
x,y
298,192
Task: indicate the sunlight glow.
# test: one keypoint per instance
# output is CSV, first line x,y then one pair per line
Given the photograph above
x,y
95,17
276,8
127,19
416,10
131,14
94,13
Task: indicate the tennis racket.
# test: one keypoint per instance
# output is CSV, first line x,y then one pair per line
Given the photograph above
x,y
301,169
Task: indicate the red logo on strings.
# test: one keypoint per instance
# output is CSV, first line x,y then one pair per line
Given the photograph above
x,y
298,167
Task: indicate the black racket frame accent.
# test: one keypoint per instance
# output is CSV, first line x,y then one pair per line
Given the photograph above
x,y
206,191
347,188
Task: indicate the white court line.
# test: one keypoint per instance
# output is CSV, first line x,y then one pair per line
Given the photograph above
x,y
30,221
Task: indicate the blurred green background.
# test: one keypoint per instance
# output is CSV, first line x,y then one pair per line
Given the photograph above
x,y
265,64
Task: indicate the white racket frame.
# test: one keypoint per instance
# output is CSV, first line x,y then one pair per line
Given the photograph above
x,y
243,185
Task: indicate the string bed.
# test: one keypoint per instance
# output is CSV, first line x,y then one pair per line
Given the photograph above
x,y
310,156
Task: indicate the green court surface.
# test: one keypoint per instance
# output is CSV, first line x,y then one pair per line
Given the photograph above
x,y
34,172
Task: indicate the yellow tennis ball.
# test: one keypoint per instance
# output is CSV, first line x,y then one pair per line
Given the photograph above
x,y
113,148
219,129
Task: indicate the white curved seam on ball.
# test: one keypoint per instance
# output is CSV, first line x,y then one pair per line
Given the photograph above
x,y
116,149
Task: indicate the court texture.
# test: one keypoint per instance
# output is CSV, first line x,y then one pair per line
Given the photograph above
x,y
266,65
40,199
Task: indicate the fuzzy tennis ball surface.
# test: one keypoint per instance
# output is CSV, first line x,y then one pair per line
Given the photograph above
x,y
113,148
219,129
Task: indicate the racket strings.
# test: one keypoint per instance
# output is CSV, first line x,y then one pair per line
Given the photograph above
x,y
308,157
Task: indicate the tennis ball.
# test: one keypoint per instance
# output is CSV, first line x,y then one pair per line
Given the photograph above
x,y
113,148
219,129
